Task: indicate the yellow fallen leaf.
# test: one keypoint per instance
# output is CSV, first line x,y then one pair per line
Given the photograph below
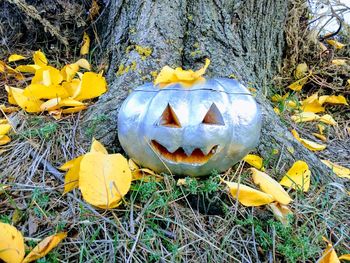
x,y
304,116
68,102
44,247
339,170
86,44
73,109
67,165
26,103
104,179
328,119
51,104
255,161
96,146
321,128
329,255
270,186
4,121
4,139
39,58
335,43
301,70
333,99
15,57
71,179
181,182
277,110
91,86
83,63
313,146
71,86
11,244
69,71
8,109
248,196
339,62
132,165
320,136
281,212
345,257
28,68
4,128
298,85
186,78
298,176
40,91
279,98
143,173
47,76
312,104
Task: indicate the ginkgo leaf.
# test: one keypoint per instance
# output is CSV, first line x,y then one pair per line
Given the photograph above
x,y
304,117
339,170
47,76
255,161
270,186
68,102
278,98
8,109
51,104
28,104
339,62
15,57
345,257
4,139
321,128
92,85
44,247
83,63
104,179
39,58
320,136
71,179
313,146
298,176
298,85
333,99
40,91
96,146
335,43
301,70
27,68
312,104
11,244
281,212
248,196
73,109
72,86
186,78
69,71
328,119
86,44
4,128
329,255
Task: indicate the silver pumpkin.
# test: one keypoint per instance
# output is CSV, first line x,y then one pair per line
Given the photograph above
x,y
189,131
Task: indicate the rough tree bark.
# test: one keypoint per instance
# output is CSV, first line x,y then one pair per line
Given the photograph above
x,y
244,38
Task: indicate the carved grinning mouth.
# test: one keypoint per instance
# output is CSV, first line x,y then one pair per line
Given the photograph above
x,y
179,156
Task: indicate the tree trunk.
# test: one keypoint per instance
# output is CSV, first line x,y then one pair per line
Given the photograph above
x,y
242,38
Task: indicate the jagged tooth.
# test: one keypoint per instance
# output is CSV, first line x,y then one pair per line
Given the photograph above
x,y
171,148
188,150
206,150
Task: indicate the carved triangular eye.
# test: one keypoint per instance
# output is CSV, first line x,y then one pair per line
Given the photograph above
x,y
213,116
169,118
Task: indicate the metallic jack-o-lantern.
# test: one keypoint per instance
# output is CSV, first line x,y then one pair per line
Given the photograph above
x,y
189,131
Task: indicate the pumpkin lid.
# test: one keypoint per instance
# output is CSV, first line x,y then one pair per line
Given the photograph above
x,y
226,85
